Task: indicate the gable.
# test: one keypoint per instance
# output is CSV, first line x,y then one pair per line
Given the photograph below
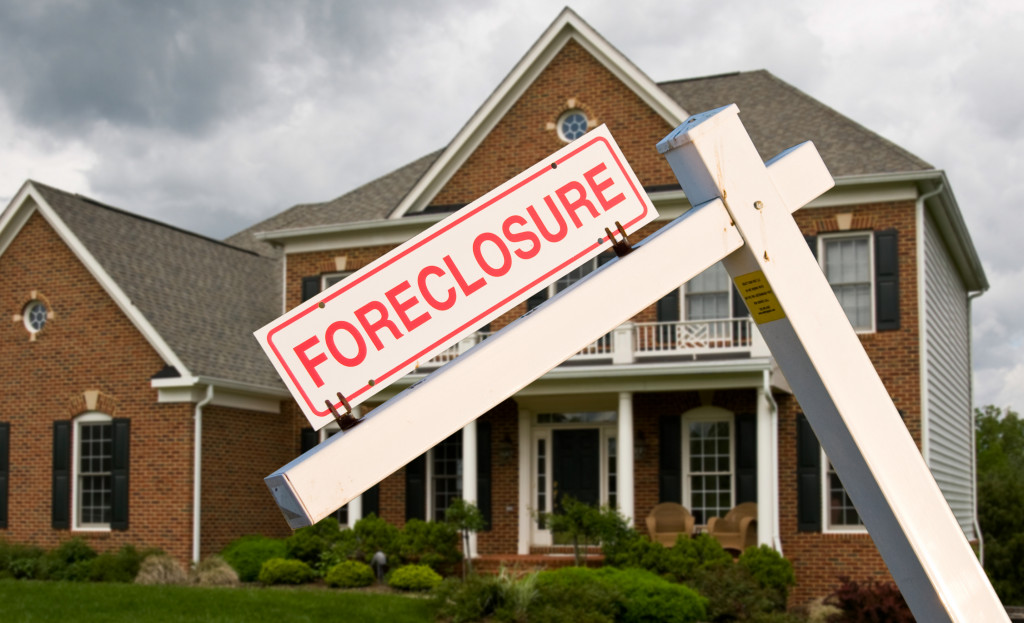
x,y
574,79
85,331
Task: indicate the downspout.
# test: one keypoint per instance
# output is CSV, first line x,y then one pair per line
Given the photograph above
x,y
197,471
774,407
974,441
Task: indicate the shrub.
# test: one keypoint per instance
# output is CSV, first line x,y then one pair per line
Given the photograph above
x,y
414,578
770,570
350,574
467,518
585,524
432,543
678,563
732,593
870,602
247,555
474,599
20,561
120,566
373,534
71,560
161,569
340,550
215,571
309,544
648,597
286,571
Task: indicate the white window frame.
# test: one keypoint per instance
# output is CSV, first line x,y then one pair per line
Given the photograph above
x,y
684,291
333,278
823,239
826,504
607,430
93,417
711,415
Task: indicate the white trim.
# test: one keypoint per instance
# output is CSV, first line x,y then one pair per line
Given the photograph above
x,y
526,520
860,233
91,417
922,322
625,494
713,415
568,26
826,505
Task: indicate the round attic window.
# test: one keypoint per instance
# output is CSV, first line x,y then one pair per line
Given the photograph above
x,y
572,125
34,314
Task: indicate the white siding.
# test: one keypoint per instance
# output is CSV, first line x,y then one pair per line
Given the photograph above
x,y
947,378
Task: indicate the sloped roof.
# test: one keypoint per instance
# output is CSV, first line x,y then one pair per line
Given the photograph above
x,y
777,116
204,297
370,202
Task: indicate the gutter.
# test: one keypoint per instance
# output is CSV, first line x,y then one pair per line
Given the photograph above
x,y
197,472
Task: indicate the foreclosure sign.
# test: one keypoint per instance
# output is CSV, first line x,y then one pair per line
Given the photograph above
x,y
383,321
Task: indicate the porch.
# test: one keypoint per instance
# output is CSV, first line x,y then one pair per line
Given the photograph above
x,y
633,342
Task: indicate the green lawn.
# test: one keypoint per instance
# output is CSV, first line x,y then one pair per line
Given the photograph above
x,y
24,600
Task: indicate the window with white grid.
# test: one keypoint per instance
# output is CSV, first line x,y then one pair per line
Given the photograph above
x,y
840,513
846,261
708,466
707,295
93,460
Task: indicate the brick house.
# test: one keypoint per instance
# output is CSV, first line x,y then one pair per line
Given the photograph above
x,y
140,409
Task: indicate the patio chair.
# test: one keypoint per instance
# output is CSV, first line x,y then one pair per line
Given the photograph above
x,y
738,529
667,521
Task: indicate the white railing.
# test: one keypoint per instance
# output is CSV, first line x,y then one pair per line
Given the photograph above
x,y
693,337
651,339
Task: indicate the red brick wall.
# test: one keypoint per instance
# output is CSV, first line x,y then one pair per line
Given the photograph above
x,y
240,448
523,138
88,346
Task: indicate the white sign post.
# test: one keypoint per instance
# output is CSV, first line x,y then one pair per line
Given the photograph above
x,y
742,213
380,323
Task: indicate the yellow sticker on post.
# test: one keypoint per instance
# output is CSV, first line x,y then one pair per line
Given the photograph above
x,y
757,294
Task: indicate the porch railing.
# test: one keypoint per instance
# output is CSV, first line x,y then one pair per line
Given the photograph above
x,y
650,340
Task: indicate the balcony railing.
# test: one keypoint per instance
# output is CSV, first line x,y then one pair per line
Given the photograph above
x,y
649,341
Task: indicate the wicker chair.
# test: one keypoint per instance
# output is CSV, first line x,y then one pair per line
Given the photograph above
x,y
738,529
667,521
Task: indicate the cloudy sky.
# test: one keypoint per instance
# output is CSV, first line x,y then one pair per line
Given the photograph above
x,y
213,115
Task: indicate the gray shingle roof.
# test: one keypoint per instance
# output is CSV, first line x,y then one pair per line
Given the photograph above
x,y
778,116
203,297
370,202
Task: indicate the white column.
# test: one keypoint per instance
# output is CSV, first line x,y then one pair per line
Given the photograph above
x,y
355,507
469,474
766,494
624,458
525,482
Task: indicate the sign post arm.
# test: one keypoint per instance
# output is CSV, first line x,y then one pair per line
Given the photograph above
x,y
328,476
833,378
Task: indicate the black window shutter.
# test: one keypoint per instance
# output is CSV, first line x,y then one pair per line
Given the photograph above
x,y
887,281
746,458
308,439
61,490
483,470
668,307
371,501
536,299
416,488
310,287
808,473
670,459
812,242
119,474
5,470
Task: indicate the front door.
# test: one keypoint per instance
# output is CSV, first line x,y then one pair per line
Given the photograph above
x,y
576,465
